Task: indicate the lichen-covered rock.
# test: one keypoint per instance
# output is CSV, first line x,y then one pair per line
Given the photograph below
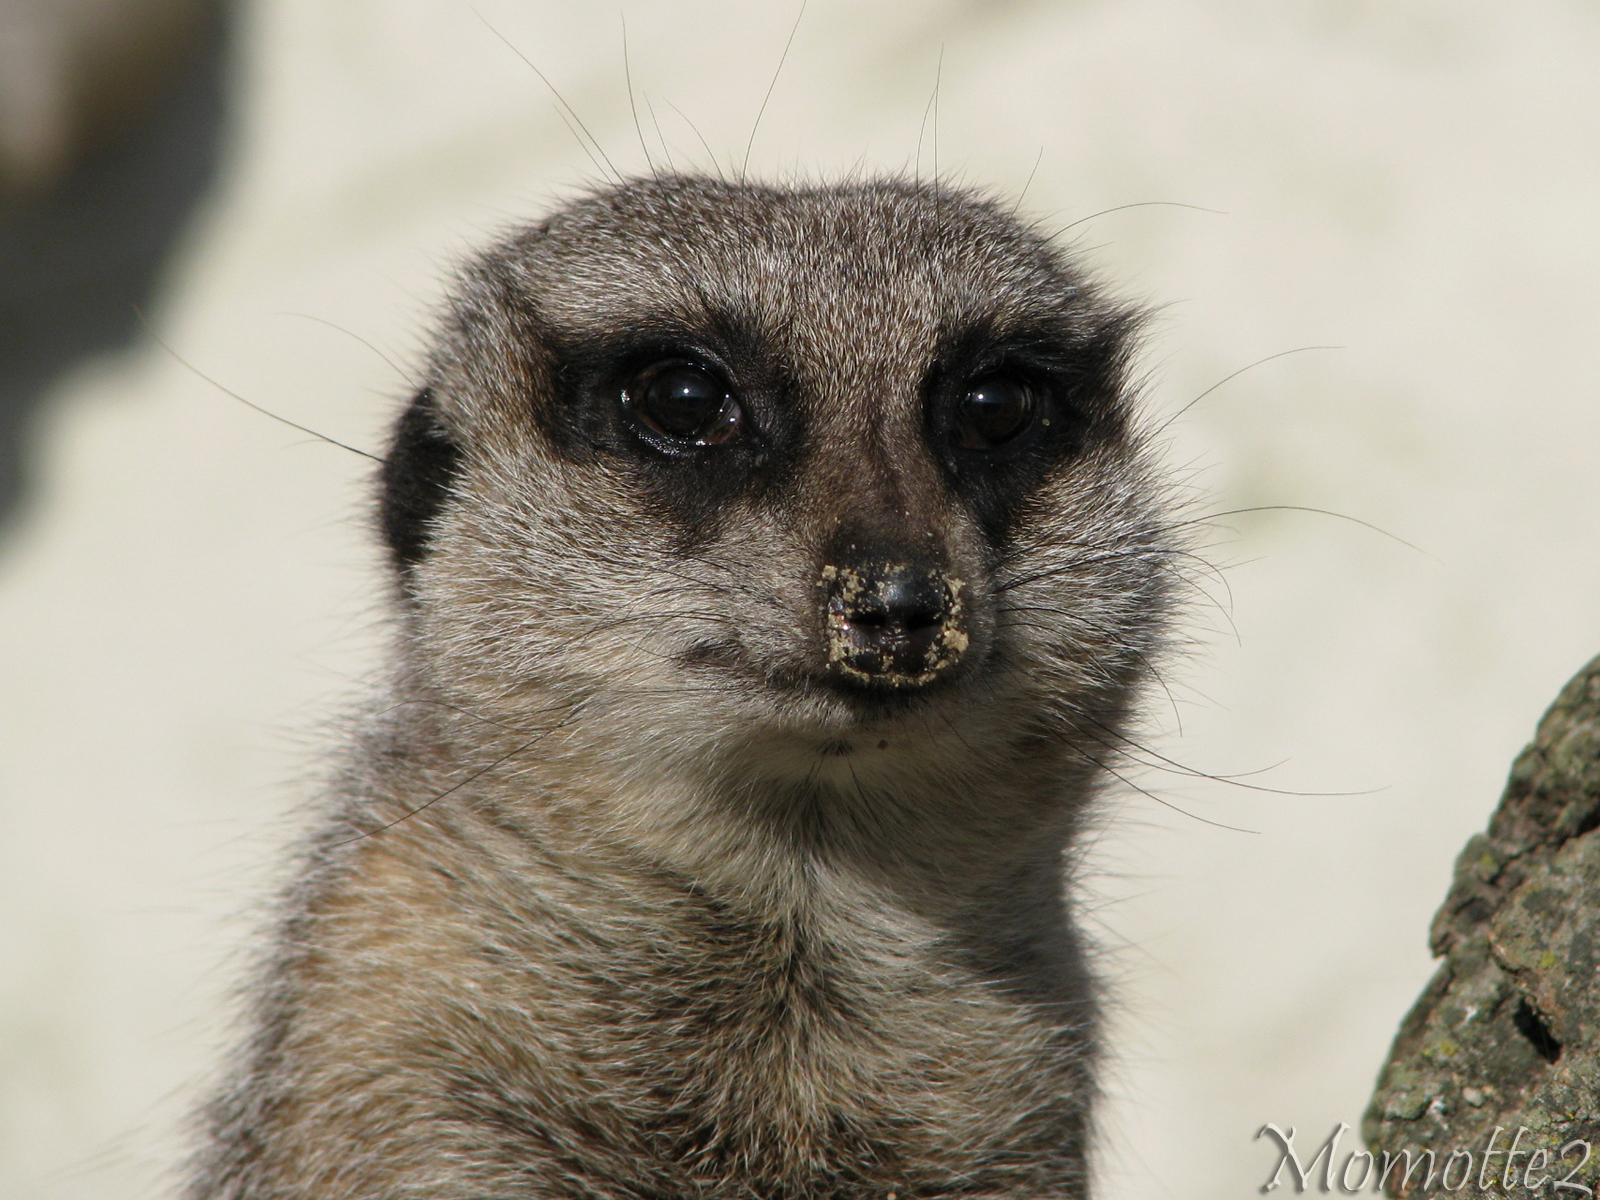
x,y
1507,1034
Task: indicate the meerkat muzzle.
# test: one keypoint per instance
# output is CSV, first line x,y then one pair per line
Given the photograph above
x,y
893,624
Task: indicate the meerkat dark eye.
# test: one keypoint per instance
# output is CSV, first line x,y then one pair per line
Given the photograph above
x,y
995,410
685,402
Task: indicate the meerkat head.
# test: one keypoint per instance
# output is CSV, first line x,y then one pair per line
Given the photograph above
x,y
813,480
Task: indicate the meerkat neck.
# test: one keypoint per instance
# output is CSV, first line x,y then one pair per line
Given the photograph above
x,y
740,822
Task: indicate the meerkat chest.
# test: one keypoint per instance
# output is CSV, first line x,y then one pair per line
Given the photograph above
x,y
651,1042
763,1054
706,1037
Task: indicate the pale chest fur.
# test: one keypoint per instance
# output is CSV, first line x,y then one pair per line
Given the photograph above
x,y
657,1040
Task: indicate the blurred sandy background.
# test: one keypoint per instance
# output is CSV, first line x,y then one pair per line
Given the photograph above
x,y
191,590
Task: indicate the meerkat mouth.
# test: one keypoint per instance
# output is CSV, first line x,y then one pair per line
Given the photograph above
x,y
869,693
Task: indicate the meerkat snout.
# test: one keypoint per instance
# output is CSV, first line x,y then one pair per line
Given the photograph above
x,y
898,624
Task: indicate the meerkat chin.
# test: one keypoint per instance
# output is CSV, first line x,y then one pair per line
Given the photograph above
x,y
776,569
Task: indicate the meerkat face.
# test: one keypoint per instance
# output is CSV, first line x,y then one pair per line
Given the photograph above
x,y
716,464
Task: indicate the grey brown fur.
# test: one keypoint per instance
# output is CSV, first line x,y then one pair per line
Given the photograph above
x,y
664,869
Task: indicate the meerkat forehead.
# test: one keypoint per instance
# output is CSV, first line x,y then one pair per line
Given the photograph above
x,y
859,260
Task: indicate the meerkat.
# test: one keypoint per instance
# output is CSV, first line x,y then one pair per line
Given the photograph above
x,y
776,570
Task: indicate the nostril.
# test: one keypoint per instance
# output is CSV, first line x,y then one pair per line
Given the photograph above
x,y
869,619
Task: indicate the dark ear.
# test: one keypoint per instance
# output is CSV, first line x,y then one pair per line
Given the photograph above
x,y
415,481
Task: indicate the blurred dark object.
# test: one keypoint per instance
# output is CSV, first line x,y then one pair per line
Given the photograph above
x,y
111,131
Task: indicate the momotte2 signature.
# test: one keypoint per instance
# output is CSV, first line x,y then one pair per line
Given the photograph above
x,y
1517,1166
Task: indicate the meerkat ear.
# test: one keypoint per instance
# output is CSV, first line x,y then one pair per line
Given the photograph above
x,y
415,481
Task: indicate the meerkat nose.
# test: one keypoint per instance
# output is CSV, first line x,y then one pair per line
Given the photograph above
x,y
893,623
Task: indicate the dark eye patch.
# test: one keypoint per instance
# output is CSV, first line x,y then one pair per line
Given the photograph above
x,y
1004,412
698,415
